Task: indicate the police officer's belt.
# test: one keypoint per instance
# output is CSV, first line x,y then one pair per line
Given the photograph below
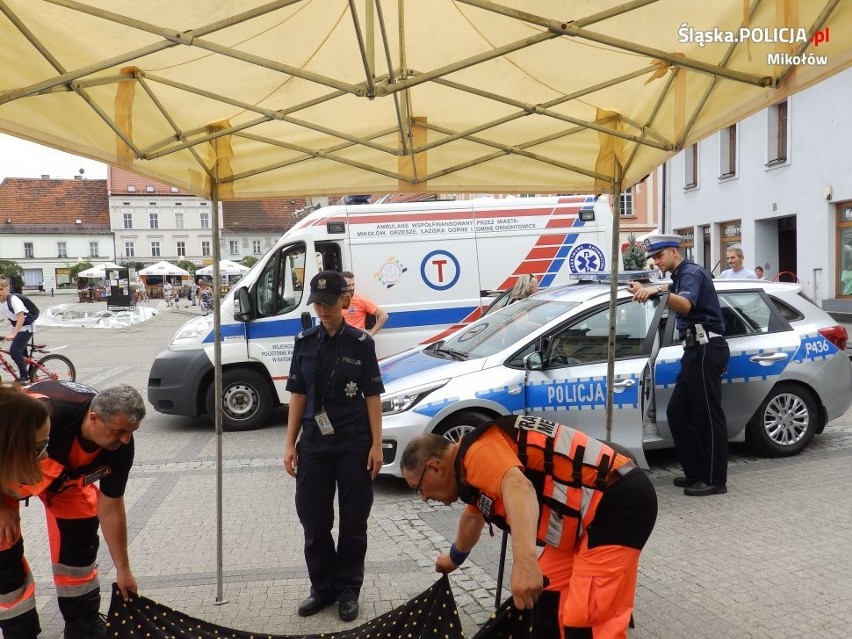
x,y
697,335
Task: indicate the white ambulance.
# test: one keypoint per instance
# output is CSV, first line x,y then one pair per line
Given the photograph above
x,y
427,264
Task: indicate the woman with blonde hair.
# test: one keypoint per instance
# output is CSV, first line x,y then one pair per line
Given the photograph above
x,y
525,286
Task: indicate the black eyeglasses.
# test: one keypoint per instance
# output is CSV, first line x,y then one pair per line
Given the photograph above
x,y
422,475
41,448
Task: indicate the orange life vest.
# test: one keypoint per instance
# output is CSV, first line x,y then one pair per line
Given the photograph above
x,y
569,470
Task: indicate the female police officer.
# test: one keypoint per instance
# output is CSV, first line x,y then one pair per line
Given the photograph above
x,y
334,389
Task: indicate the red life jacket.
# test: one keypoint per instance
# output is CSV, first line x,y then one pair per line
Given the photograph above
x,y
569,470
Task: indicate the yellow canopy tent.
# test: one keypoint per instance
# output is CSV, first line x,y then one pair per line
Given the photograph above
x,y
248,99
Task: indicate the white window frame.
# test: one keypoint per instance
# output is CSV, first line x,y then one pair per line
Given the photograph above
x,y
778,134
155,248
62,249
728,152
690,167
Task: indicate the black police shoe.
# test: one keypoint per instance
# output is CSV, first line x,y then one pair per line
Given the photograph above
x,y
700,489
87,628
311,606
348,610
682,481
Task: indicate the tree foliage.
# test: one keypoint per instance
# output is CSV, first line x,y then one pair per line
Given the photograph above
x,y
12,271
186,265
249,260
76,268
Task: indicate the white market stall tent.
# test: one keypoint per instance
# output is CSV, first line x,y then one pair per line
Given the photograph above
x,y
164,269
99,270
226,269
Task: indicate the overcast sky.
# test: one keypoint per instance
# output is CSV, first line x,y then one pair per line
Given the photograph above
x,y
19,158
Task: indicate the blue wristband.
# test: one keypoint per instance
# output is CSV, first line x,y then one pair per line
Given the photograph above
x,y
457,556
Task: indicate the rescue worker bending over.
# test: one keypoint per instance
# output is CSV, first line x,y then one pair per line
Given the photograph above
x,y
91,440
550,485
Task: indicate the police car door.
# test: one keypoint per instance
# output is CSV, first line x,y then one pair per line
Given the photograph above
x,y
571,386
762,345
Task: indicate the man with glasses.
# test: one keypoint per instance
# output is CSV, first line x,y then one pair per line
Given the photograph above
x,y
585,501
91,441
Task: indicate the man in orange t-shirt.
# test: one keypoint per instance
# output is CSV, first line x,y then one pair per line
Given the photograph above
x,y
360,308
592,531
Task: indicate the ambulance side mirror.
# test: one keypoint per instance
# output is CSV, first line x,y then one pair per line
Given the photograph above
x,y
307,321
532,362
243,312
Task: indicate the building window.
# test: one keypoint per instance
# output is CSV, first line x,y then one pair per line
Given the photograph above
x,y
175,189
844,249
28,249
778,133
267,242
129,249
205,248
181,249
178,219
255,247
131,188
234,247
728,151
61,249
204,220
128,220
153,219
155,249
691,167
687,242
149,189
625,203
93,249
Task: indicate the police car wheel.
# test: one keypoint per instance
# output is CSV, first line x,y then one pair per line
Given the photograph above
x,y
246,400
785,423
458,425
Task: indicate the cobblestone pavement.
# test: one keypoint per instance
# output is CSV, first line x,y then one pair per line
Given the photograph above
x,y
772,558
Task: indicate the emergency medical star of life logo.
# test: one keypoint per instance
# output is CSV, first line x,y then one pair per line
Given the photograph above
x,y
350,389
586,258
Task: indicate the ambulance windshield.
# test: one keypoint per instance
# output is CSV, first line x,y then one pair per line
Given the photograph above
x,y
503,328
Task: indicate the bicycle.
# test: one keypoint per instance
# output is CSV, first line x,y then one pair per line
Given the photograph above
x,y
50,367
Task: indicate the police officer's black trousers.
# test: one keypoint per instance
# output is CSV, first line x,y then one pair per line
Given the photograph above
x,y
326,464
696,420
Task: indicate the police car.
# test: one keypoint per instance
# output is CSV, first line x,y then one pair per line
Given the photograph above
x,y
787,377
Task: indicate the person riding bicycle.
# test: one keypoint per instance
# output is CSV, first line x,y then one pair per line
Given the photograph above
x,y
16,312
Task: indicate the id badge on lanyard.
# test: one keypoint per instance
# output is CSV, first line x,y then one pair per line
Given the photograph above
x,y
321,417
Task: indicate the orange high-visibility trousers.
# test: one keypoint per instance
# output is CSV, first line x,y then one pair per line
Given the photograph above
x,y
596,586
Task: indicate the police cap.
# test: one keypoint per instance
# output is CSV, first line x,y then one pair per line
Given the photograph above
x,y
326,287
656,242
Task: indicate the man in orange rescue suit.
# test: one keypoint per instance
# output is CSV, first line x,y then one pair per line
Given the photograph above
x,y
589,506
91,440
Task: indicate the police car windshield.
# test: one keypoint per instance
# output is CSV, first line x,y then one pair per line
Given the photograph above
x,y
502,329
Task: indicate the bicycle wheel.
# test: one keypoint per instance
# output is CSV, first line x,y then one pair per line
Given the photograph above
x,y
57,367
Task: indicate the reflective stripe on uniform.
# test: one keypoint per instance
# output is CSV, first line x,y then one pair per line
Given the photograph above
x,y
21,600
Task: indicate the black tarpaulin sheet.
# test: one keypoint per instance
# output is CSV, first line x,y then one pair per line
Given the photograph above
x,y
430,614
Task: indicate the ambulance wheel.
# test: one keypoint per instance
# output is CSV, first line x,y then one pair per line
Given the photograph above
x,y
246,400
458,425
785,423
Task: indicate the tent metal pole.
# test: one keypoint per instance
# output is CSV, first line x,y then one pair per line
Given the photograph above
x,y
217,384
613,296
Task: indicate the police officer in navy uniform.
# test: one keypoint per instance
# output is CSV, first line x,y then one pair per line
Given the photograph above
x,y
696,420
335,389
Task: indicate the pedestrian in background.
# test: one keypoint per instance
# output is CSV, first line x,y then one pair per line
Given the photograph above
x,y
591,508
205,297
91,440
335,405
361,307
736,270
758,271
193,292
696,420
167,292
526,285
